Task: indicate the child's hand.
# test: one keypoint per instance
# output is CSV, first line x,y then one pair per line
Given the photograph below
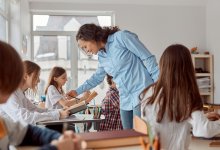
x,y
85,95
212,116
67,141
65,107
72,93
64,114
67,97
76,139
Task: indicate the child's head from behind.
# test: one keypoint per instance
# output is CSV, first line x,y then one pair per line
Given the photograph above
x,y
31,74
11,71
176,90
176,65
110,81
58,77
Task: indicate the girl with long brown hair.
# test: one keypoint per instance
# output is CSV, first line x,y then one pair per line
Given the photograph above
x,y
172,105
55,96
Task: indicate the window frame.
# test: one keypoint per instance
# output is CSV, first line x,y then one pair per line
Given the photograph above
x,y
5,16
74,53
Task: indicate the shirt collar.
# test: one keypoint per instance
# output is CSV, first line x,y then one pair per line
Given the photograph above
x,y
110,38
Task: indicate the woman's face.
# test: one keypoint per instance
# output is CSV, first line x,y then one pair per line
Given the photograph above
x,y
89,47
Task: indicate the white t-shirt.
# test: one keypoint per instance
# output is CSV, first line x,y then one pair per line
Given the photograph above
x,y
175,135
15,133
52,98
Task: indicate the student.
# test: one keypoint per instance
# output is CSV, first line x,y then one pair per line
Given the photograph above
x,y
55,96
19,107
121,55
173,106
110,108
18,133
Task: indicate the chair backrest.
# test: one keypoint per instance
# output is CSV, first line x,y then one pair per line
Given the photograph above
x,y
139,125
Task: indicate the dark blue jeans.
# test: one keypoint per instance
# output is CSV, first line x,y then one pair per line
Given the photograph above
x,y
127,117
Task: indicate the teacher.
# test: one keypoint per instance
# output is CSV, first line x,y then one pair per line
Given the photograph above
x,y
121,55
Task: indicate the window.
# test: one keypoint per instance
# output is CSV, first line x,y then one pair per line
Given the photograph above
x,y
53,44
3,21
2,5
66,23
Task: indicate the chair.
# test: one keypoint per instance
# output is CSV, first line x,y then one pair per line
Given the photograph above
x,y
141,126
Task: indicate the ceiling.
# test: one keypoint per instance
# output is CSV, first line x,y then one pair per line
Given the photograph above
x,y
137,2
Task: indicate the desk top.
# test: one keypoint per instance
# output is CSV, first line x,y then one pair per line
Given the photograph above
x,y
196,144
75,118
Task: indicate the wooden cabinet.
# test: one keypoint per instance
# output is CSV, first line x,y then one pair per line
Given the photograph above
x,y
203,64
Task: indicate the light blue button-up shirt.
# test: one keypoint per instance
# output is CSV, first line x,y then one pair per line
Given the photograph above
x,y
131,65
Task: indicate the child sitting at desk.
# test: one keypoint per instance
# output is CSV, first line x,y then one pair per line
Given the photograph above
x,y
55,96
173,106
19,107
110,108
20,133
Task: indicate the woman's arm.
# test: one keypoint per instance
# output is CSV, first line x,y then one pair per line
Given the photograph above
x,y
93,81
73,101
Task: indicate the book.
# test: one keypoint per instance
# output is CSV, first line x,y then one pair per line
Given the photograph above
x,y
81,105
77,107
214,144
109,139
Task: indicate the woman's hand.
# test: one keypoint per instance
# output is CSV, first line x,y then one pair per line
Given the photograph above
x,y
212,116
64,114
72,93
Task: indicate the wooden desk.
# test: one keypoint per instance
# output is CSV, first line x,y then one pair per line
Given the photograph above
x,y
196,144
211,107
200,144
76,118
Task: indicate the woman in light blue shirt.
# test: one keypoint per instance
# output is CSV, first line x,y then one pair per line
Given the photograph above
x,y
125,58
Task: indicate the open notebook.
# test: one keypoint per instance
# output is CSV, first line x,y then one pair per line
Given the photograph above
x,y
81,105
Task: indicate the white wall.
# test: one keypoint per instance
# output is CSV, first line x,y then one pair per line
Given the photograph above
x,y
213,43
14,25
25,29
19,25
156,25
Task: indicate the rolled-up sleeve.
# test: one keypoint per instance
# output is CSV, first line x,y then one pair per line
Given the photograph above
x,y
93,81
